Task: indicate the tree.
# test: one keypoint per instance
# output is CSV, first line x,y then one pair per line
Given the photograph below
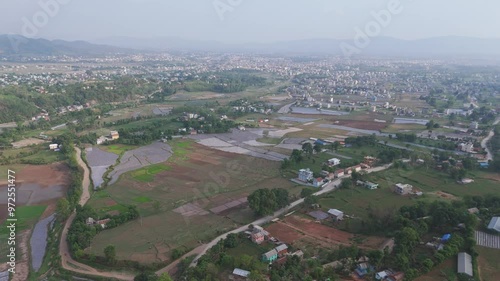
x,y
296,156
165,277
427,265
307,148
306,192
310,200
318,147
63,210
282,198
375,257
345,184
148,276
231,240
110,253
263,202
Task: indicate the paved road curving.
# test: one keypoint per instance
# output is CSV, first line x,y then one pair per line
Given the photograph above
x,y
66,261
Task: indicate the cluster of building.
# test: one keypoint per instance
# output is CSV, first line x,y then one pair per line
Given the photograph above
x,y
101,223
113,135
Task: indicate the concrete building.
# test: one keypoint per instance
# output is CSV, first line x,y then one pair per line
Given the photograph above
x,y
305,175
403,189
334,162
114,135
466,147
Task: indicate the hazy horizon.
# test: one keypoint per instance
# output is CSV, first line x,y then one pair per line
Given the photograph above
x,y
241,21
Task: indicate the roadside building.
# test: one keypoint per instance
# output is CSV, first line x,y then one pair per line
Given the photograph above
x,y
53,146
318,182
339,173
257,237
464,264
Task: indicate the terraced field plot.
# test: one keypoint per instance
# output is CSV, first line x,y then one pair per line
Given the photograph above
x,y
175,199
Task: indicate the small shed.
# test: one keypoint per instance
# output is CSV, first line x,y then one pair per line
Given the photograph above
x,y
464,264
241,272
494,224
336,214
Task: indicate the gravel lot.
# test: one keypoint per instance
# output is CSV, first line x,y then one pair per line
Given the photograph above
x,y
154,153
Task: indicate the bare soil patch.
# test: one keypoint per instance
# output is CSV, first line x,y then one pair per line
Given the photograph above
x,y
320,231
365,125
27,142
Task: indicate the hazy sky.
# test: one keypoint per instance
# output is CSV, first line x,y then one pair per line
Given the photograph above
x,y
247,20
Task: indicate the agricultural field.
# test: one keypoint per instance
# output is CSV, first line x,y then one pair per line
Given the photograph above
x,y
488,263
430,180
199,190
138,158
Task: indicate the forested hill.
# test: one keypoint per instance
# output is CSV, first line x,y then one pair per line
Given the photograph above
x,y
16,45
20,103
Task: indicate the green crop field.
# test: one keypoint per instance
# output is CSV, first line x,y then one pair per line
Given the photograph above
x,y
195,177
117,148
147,174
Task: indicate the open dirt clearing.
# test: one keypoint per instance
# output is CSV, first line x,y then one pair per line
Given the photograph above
x,y
27,142
41,184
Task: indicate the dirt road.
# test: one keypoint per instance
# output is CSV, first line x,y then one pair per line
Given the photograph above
x,y
484,142
66,261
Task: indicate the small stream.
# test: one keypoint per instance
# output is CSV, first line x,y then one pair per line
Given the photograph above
x,y
38,241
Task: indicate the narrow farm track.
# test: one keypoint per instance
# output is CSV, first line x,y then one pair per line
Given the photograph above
x,y
66,261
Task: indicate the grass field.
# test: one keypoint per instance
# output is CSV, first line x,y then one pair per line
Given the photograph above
x,y
195,174
117,148
26,216
147,174
488,262
429,180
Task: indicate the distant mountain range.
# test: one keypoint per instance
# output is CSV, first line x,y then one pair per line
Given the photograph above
x,y
379,46
16,45
460,47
